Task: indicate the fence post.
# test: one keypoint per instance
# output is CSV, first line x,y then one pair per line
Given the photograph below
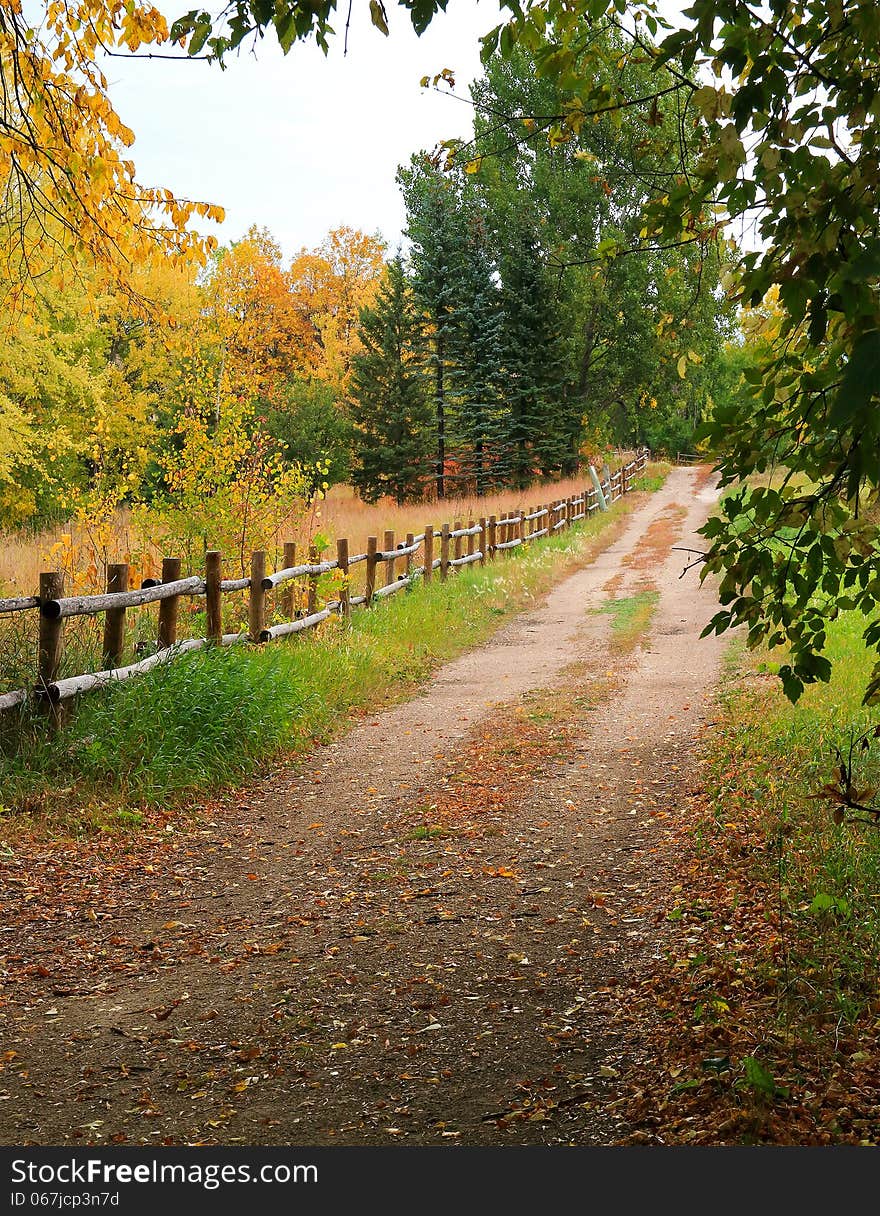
x,y
288,607
213,608
429,552
114,618
410,537
168,608
312,599
606,481
483,540
50,644
444,552
471,546
257,596
388,546
456,548
372,548
345,589
490,538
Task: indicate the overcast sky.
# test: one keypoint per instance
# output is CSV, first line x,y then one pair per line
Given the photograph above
x,y
304,143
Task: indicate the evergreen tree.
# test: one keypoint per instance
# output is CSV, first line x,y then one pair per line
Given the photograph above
x,y
437,238
390,404
538,435
478,351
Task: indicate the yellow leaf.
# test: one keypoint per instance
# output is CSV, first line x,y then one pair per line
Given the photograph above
x,y
377,16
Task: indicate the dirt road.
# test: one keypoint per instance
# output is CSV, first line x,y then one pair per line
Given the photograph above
x,y
421,936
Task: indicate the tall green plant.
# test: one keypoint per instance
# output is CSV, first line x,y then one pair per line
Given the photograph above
x,y
390,405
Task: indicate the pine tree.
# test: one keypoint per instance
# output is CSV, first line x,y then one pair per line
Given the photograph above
x,y
538,434
390,403
436,233
478,352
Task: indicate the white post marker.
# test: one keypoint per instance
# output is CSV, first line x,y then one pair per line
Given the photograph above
x,y
597,485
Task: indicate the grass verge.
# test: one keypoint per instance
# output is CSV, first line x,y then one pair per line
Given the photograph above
x,y
771,1000
200,724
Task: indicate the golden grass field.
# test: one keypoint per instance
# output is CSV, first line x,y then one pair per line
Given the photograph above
x,y
342,514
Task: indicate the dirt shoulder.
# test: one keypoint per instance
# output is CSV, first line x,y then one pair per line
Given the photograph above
x,y
418,937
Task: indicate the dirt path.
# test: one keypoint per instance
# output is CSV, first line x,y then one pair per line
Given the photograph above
x,y
418,938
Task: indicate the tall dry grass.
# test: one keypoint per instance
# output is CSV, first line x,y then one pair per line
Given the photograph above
x,y
342,514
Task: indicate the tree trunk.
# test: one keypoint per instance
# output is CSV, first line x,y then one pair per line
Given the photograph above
x,y
441,420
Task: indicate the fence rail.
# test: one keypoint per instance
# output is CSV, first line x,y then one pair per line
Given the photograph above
x,y
460,545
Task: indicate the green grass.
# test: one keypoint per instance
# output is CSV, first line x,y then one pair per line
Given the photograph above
x,y
203,722
771,760
630,616
653,478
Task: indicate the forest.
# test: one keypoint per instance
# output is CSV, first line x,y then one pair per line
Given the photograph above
x,y
568,836
500,345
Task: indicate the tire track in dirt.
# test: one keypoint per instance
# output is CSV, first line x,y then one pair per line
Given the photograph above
x,y
336,973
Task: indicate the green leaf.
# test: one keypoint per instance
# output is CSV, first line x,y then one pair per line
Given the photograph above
x,y
823,902
818,320
792,685
761,1079
861,379
199,37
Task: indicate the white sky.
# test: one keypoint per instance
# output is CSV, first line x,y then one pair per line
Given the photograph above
x,y
302,144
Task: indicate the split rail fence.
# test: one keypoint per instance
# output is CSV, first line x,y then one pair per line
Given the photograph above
x,y
442,550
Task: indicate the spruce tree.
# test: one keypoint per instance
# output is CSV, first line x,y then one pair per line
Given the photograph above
x,y
390,400
537,432
478,351
436,234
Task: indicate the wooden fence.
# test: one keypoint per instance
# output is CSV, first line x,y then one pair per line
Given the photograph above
x,y
440,551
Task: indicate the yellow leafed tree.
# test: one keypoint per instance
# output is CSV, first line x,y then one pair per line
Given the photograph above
x,y
68,191
261,337
330,285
